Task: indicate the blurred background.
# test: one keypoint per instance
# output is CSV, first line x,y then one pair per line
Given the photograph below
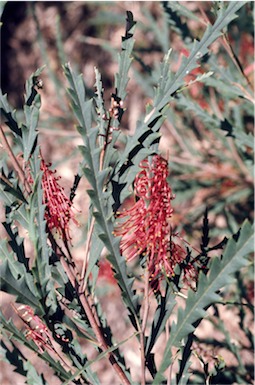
x,y
210,161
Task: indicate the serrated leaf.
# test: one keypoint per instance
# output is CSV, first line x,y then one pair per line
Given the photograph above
x,y
162,313
96,195
178,8
17,245
18,335
12,282
242,139
220,274
121,78
81,107
32,96
9,114
31,111
138,147
29,132
13,357
98,358
38,234
12,189
101,111
33,378
199,49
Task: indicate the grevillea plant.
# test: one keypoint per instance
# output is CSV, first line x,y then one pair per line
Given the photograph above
x,y
169,276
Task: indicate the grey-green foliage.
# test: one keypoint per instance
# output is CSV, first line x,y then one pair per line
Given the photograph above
x,y
140,144
97,178
110,173
221,273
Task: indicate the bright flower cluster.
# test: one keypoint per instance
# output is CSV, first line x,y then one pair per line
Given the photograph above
x,y
146,229
58,212
36,329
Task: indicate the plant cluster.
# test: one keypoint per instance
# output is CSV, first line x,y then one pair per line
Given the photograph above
x,y
145,231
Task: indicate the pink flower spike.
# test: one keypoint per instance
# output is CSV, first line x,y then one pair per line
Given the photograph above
x,y
146,227
58,212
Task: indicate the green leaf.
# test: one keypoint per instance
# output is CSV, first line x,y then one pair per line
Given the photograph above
x,y
13,189
9,115
32,95
121,78
177,8
162,313
96,178
17,245
81,107
220,274
242,139
31,111
13,357
199,49
18,335
38,234
169,84
98,358
100,109
33,378
14,281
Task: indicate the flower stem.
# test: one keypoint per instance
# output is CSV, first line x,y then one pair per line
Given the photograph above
x,y
92,224
93,319
143,328
15,163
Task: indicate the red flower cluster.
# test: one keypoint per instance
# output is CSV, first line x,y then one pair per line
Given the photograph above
x,y
36,329
58,212
147,229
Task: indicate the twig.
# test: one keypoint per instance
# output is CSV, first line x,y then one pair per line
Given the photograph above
x,y
6,180
86,252
169,375
15,163
92,224
227,45
95,326
93,320
143,328
229,49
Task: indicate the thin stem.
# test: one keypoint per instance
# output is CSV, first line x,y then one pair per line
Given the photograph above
x,y
228,47
6,180
142,347
234,152
92,224
143,328
169,375
230,51
86,252
96,327
93,320
15,163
